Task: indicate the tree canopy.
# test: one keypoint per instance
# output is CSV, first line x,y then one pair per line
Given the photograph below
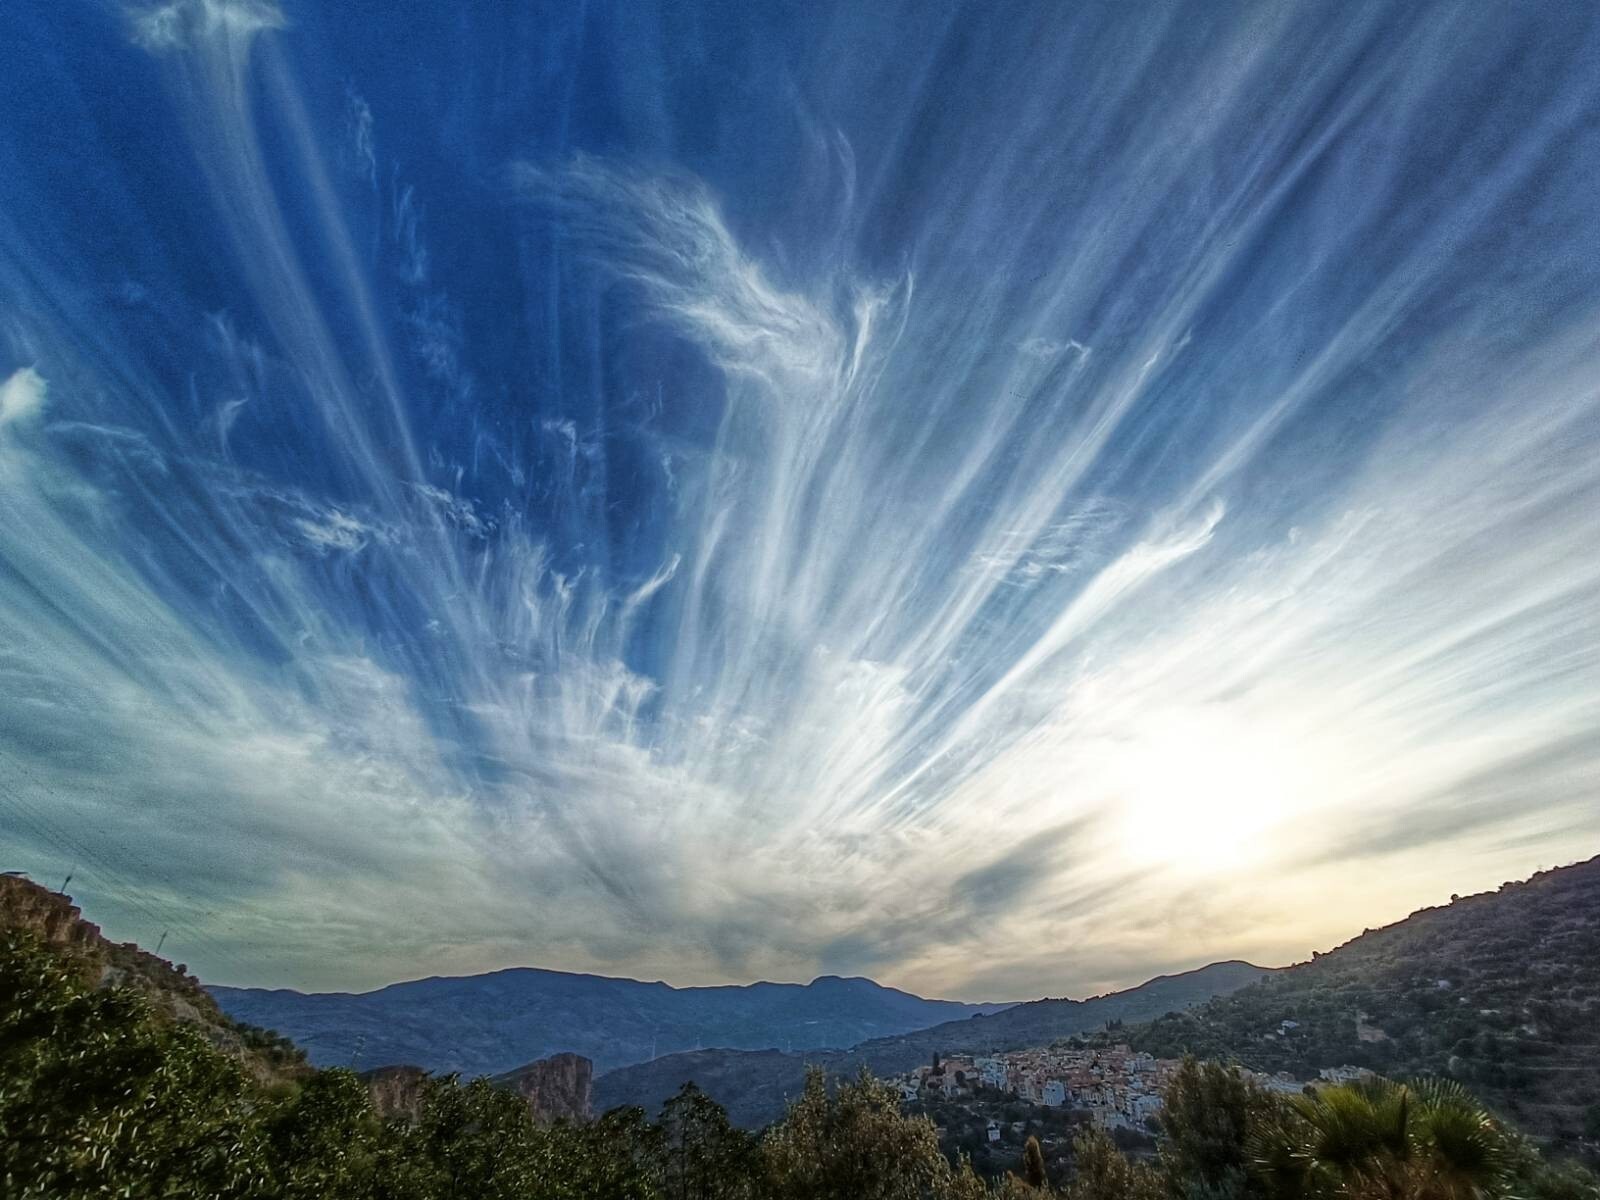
x,y
103,1095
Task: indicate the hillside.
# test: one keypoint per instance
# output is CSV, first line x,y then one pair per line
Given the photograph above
x,y
489,1024
1500,990
1040,1022
174,994
753,1086
556,1088
104,1095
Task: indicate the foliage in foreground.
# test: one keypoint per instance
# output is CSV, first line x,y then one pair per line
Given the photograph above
x,y
99,1096
1497,991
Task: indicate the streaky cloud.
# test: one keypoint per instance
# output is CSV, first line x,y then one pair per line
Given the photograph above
x,y
1041,506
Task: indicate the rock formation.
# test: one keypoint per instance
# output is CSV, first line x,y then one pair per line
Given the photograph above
x,y
560,1087
31,908
396,1091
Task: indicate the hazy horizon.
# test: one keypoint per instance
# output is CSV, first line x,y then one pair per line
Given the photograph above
x,y
718,491
1104,988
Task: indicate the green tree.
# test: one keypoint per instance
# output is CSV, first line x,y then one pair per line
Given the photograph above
x,y
1102,1172
1207,1118
853,1145
963,1184
477,1142
620,1156
99,1097
1384,1141
1009,1188
104,1095
1532,1178
705,1157
325,1139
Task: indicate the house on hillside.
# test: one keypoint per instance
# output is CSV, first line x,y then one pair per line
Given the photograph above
x,y
1344,1074
1144,1106
1107,1118
992,1071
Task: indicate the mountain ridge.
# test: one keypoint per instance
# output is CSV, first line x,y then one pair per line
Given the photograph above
x,y
996,1005
1499,990
754,1085
500,1020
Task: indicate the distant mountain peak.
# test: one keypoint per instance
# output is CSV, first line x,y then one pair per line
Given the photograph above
x,y
487,1024
753,1085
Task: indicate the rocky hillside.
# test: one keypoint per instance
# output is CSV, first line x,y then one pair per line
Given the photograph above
x,y
29,907
488,1024
397,1092
1500,990
557,1088
1041,1022
754,1086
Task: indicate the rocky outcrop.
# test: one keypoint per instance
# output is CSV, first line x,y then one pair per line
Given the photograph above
x,y
396,1091
56,921
31,908
52,918
557,1088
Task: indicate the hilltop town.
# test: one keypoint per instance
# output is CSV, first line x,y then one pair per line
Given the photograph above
x,y
1080,1110
983,1105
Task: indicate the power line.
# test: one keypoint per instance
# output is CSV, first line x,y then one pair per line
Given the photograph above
x,y
125,890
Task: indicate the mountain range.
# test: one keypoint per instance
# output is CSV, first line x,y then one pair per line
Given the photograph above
x,y
1500,990
755,1086
490,1024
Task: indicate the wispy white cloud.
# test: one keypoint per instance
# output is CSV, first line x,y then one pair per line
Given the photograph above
x,y
1050,348
358,121
22,397
174,24
336,531
898,631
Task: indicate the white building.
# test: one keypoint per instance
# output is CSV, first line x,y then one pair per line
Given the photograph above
x,y
1108,1118
1344,1074
992,1071
1144,1106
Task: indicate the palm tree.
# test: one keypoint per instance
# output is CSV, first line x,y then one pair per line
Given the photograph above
x,y
1383,1141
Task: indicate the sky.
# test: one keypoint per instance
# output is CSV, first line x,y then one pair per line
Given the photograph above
x,y
1008,500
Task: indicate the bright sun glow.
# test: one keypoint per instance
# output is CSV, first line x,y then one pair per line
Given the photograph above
x,y
1201,790
737,491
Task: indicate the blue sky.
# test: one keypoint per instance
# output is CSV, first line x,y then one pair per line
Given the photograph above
x,y
1004,503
